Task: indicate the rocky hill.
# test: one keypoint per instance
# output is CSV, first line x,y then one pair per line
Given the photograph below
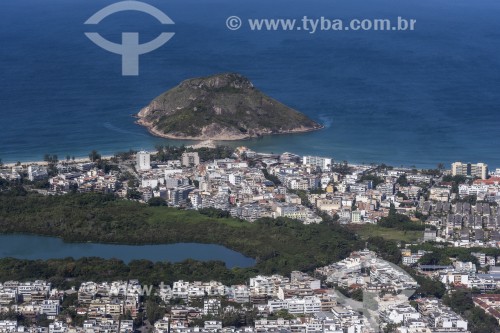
x,y
220,107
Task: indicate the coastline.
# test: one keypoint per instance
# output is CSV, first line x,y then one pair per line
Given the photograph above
x,y
252,143
152,130
76,160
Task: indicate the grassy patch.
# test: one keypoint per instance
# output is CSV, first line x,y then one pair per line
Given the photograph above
x,y
371,230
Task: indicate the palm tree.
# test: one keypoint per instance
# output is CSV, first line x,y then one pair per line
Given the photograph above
x,y
159,147
94,155
51,159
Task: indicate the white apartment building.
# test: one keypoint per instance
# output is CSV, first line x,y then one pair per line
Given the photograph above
x,y
36,172
190,159
51,308
323,162
143,161
356,216
211,306
305,305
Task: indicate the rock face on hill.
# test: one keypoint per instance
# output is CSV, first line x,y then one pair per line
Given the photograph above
x,y
220,107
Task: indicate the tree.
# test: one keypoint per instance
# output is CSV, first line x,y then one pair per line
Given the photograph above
x,y
214,212
429,287
392,210
440,166
94,155
231,318
73,188
132,182
50,159
455,181
134,194
153,311
42,320
390,328
342,168
357,294
374,178
270,177
461,301
70,300
388,249
1,163
283,313
399,221
434,258
402,195
402,180
157,201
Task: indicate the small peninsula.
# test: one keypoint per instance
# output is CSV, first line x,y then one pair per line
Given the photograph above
x,y
220,107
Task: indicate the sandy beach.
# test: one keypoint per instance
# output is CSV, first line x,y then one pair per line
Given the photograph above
x,y
75,161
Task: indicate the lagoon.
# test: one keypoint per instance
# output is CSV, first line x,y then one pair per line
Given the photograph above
x,y
34,247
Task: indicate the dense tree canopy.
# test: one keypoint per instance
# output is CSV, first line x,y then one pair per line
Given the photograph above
x,y
279,245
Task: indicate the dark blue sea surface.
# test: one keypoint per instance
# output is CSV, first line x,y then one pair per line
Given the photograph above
x,y
405,98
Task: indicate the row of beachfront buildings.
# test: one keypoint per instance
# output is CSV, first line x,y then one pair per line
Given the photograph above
x,y
251,185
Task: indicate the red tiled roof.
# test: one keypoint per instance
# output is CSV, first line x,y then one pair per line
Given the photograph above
x,y
490,181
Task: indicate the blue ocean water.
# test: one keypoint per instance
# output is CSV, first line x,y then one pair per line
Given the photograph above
x,y
405,98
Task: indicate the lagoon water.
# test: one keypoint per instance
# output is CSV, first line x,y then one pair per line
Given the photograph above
x,y
15,246
414,98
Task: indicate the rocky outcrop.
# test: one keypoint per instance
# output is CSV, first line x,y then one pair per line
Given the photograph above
x,y
220,107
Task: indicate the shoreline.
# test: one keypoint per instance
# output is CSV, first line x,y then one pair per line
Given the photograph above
x,y
76,160
153,131
9,163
